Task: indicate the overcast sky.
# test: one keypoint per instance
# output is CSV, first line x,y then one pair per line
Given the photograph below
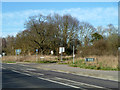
x,y
14,14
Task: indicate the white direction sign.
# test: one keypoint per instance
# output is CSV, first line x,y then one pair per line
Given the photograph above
x,y
61,49
3,54
52,52
118,48
0,55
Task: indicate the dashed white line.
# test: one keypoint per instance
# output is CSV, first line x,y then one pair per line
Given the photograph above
x,y
57,78
16,71
22,73
34,72
31,69
40,74
58,82
22,65
26,74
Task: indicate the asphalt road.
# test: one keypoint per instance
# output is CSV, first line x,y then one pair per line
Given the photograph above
x,y
22,76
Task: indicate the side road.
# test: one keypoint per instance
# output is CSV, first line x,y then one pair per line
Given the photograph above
x,y
109,75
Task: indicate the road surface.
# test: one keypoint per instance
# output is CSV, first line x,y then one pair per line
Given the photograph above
x,y
22,76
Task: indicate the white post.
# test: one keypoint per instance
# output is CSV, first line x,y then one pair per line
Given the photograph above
x,y
73,54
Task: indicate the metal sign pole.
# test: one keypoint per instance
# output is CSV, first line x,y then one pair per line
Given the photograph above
x,y
73,54
36,55
16,55
61,56
61,49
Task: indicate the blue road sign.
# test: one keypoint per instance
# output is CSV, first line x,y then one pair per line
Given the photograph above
x,y
36,50
18,51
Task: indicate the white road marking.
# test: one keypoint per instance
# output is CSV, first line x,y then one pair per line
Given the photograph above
x,y
26,74
16,71
79,82
22,65
33,72
22,73
57,78
40,74
31,69
58,82
86,75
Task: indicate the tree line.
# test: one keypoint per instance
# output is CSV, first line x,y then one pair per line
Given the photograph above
x,y
50,32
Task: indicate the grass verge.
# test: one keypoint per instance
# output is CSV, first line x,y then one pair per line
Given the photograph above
x,y
90,65
8,61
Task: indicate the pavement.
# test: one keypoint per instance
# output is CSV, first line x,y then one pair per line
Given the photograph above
x,y
108,75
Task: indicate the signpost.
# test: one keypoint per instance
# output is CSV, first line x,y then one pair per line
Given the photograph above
x,y
61,49
36,55
17,51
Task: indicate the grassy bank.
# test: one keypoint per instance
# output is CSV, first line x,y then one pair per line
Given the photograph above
x,y
100,63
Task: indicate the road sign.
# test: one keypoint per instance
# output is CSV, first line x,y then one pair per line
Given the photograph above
x,y
74,55
118,48
89,59
36,50
52,52
3,54
61,49
0,55
18,51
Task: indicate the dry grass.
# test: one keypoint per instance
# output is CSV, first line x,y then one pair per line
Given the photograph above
x,y
28,58
9,58
108,61
104,61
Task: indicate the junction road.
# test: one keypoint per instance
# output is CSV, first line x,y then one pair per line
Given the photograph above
x,y
21,76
